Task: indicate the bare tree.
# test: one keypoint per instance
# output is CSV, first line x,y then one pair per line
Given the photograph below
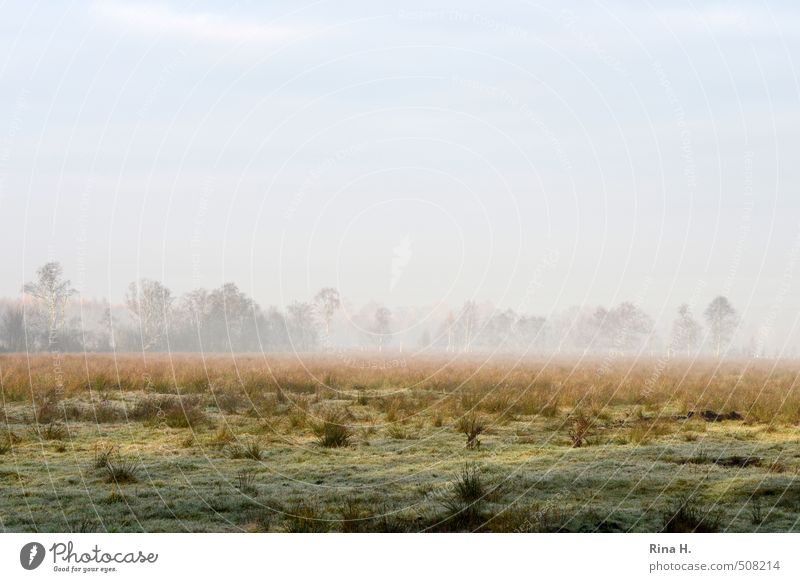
x,y
628,327
382,325
300,324
327,302
232,316
722,320
468,324
150,302
685,331
12,328
53,290
447,331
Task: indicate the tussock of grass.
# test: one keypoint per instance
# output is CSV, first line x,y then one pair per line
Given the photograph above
x,y
332,431
121,471
399,432
103,454
246,482
247,450
686,515
174,411
53,431
305,517
464,505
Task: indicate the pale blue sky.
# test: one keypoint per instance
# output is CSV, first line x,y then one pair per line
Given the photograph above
x,y
652,146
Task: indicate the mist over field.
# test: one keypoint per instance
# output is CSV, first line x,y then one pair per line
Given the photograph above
x,y
351,266
227,320
546,159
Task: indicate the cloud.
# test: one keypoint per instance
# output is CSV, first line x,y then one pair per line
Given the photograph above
x,y
199,26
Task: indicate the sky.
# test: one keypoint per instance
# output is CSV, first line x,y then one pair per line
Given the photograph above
x,y
536,155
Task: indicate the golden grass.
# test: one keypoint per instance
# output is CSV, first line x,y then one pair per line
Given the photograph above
x,y
378,443
762,391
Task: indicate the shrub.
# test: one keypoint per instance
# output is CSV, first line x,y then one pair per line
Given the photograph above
x,y
332,432
579,431
472,428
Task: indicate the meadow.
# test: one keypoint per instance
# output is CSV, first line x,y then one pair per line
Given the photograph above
x,y
363,442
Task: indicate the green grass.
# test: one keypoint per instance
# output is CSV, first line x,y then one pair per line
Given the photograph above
x,y
400,460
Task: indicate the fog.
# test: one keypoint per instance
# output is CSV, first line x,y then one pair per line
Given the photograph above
x,y
478,177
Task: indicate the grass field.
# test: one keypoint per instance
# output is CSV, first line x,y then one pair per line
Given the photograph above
x,y
363,442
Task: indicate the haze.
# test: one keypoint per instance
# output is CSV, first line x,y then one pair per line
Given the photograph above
x,y
535,156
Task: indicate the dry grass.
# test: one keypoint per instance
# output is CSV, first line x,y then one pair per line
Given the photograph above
x,y
759,390
657,432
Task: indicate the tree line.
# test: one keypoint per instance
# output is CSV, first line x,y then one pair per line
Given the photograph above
x,y
227,320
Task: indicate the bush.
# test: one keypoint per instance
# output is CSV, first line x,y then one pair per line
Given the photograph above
x,y
578,433
472,428
332,432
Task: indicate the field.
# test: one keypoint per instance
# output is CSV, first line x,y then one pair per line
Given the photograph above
x,y
360,442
